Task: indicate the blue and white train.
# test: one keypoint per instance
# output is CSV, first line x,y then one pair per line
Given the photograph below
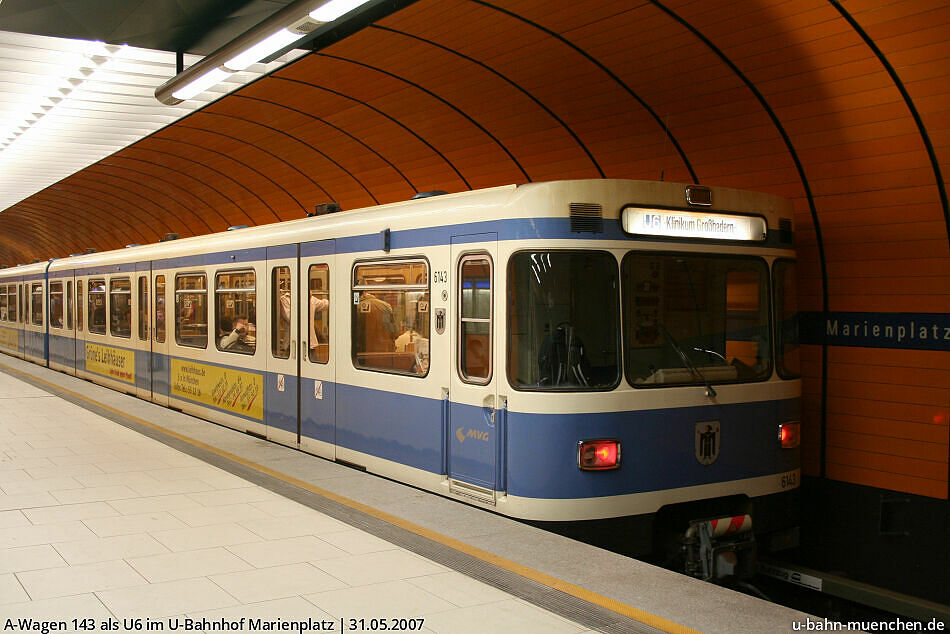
x,y
556,352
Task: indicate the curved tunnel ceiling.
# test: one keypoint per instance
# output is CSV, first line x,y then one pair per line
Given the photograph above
x,y
841,107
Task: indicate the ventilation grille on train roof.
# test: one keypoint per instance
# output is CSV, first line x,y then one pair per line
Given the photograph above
x,y
587,218
306,26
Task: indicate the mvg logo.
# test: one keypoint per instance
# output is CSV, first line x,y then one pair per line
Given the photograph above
x,y
651,221
472,433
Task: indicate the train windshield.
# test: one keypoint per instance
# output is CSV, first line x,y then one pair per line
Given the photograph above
x,y
692,318
563,326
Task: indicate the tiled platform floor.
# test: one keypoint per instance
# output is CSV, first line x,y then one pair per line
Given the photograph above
x,y
99,522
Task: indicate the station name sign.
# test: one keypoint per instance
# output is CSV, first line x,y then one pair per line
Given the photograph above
x,y
692,224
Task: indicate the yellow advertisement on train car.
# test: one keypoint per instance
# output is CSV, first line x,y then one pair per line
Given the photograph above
x,y
10,338
114,363
227,389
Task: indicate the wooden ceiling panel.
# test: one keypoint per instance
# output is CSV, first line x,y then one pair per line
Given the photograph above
x,y
43,239
595,109
195,183
146,227
251,194
48,215
183,213
150,197
317,169
92,216
385,136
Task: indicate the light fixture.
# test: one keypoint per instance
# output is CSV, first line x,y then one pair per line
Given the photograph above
x,y
330,11
262,49
296,23
200,84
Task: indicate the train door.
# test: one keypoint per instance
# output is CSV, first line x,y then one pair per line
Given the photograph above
x,y
80,332
8,332
159,368
62,337
476,426
281,378
317,356
141,335
24,319
37,331
17,317
71,323
12,337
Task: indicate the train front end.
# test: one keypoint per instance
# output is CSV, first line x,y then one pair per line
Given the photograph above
x,y
653,356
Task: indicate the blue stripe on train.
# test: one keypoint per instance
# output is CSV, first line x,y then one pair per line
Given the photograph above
x,y
658,449
658,445
398,427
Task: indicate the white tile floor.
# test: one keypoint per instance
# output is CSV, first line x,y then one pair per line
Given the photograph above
x,y
98,522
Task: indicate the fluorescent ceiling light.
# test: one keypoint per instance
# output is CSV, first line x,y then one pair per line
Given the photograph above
x,y
262,49
202,83
297,21
334,9
108,105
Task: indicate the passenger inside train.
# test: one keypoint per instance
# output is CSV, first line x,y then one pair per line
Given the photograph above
x,y
234,333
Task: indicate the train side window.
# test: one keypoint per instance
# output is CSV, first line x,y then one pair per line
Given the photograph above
x,y
3,303
80,307
318,313
283,307
475,319
159,309
24,303
787,352
191,310
69,304
37,305
143,308
120,307
56,305
391,316
236,312
97,307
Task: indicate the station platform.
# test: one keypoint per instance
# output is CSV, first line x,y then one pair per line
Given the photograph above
x,y
128,516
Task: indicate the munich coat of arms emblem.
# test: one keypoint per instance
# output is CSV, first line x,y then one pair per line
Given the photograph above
x,y
708,440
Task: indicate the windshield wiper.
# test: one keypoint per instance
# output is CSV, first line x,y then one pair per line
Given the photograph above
x,y
712,353
710,392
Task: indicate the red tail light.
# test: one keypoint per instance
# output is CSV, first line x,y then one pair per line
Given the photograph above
x,y
790,434
597,455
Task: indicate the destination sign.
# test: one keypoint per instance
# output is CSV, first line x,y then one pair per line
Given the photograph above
x,y
692,224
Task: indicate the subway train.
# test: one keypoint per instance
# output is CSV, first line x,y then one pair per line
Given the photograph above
x,y
614,354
